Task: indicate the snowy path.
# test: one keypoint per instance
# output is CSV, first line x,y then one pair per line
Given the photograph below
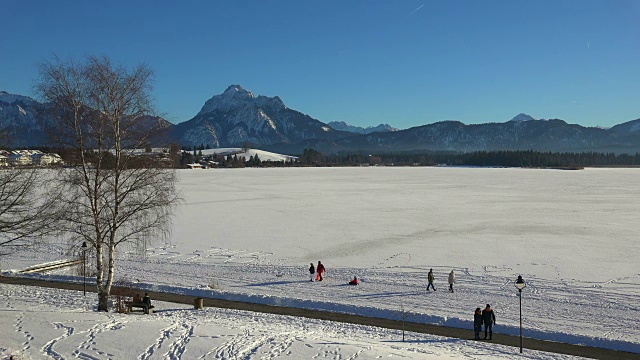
x,y
549,306
60,326
384,292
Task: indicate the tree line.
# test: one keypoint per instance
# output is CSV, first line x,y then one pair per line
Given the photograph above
x,y
506,158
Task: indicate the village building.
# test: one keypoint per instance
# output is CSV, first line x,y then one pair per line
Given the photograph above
x,y
45,159
19,159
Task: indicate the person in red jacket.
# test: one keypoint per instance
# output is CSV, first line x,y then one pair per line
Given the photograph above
x,y
354,281
319,270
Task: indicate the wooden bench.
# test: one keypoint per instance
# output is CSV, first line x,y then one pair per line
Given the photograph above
x,y
145,308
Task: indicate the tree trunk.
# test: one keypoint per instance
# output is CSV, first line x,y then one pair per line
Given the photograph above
x,y
103,300
112,268
103,293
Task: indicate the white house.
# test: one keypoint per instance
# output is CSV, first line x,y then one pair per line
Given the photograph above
x,y
19,159
45,159
3,160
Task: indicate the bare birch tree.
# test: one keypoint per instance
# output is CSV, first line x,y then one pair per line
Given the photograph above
x,y
112,194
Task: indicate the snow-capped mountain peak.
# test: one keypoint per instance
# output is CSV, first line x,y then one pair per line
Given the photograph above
x,y
237,116
233,96
233,90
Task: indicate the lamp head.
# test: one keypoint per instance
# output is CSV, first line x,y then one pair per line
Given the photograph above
x,y
520,284
84,245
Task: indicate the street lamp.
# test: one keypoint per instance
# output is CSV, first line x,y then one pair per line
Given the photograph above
x,y
84,268
520,284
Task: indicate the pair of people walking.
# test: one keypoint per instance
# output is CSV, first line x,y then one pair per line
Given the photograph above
x,y
452,280
486,317
318,271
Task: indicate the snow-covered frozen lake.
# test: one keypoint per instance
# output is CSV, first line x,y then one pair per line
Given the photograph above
x,y
558,225
572,235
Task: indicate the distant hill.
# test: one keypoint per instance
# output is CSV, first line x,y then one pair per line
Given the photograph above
x,y
543,135
263,155
25,122
343,126
237,116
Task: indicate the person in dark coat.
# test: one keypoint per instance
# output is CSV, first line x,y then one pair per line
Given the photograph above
x,y
319,270
147,300
489,318
477,323
312,271
430,280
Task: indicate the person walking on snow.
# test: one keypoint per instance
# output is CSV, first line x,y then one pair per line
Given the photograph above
x,y
319,270
430,280
489,318
452,280
312,271
477,324
147,301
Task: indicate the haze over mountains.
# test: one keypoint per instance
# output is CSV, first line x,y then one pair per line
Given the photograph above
x,y
237,116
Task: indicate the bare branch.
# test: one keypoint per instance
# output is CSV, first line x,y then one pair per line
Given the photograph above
x,y
111,196
26,213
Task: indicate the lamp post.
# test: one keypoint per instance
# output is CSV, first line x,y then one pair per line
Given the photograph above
x,y
84,268
520,284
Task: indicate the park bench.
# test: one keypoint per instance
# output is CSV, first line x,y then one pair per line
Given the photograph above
x,y
136,305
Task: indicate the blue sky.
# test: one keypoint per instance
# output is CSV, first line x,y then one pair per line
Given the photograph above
x,y
405,63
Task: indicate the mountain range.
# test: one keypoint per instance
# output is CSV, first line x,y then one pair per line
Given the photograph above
x,y
343,126
237,116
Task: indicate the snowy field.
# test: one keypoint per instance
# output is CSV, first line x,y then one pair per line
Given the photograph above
x,y
251,234
45,323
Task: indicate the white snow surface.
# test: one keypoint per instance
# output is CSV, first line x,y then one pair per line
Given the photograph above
x,y
251,234
39,323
